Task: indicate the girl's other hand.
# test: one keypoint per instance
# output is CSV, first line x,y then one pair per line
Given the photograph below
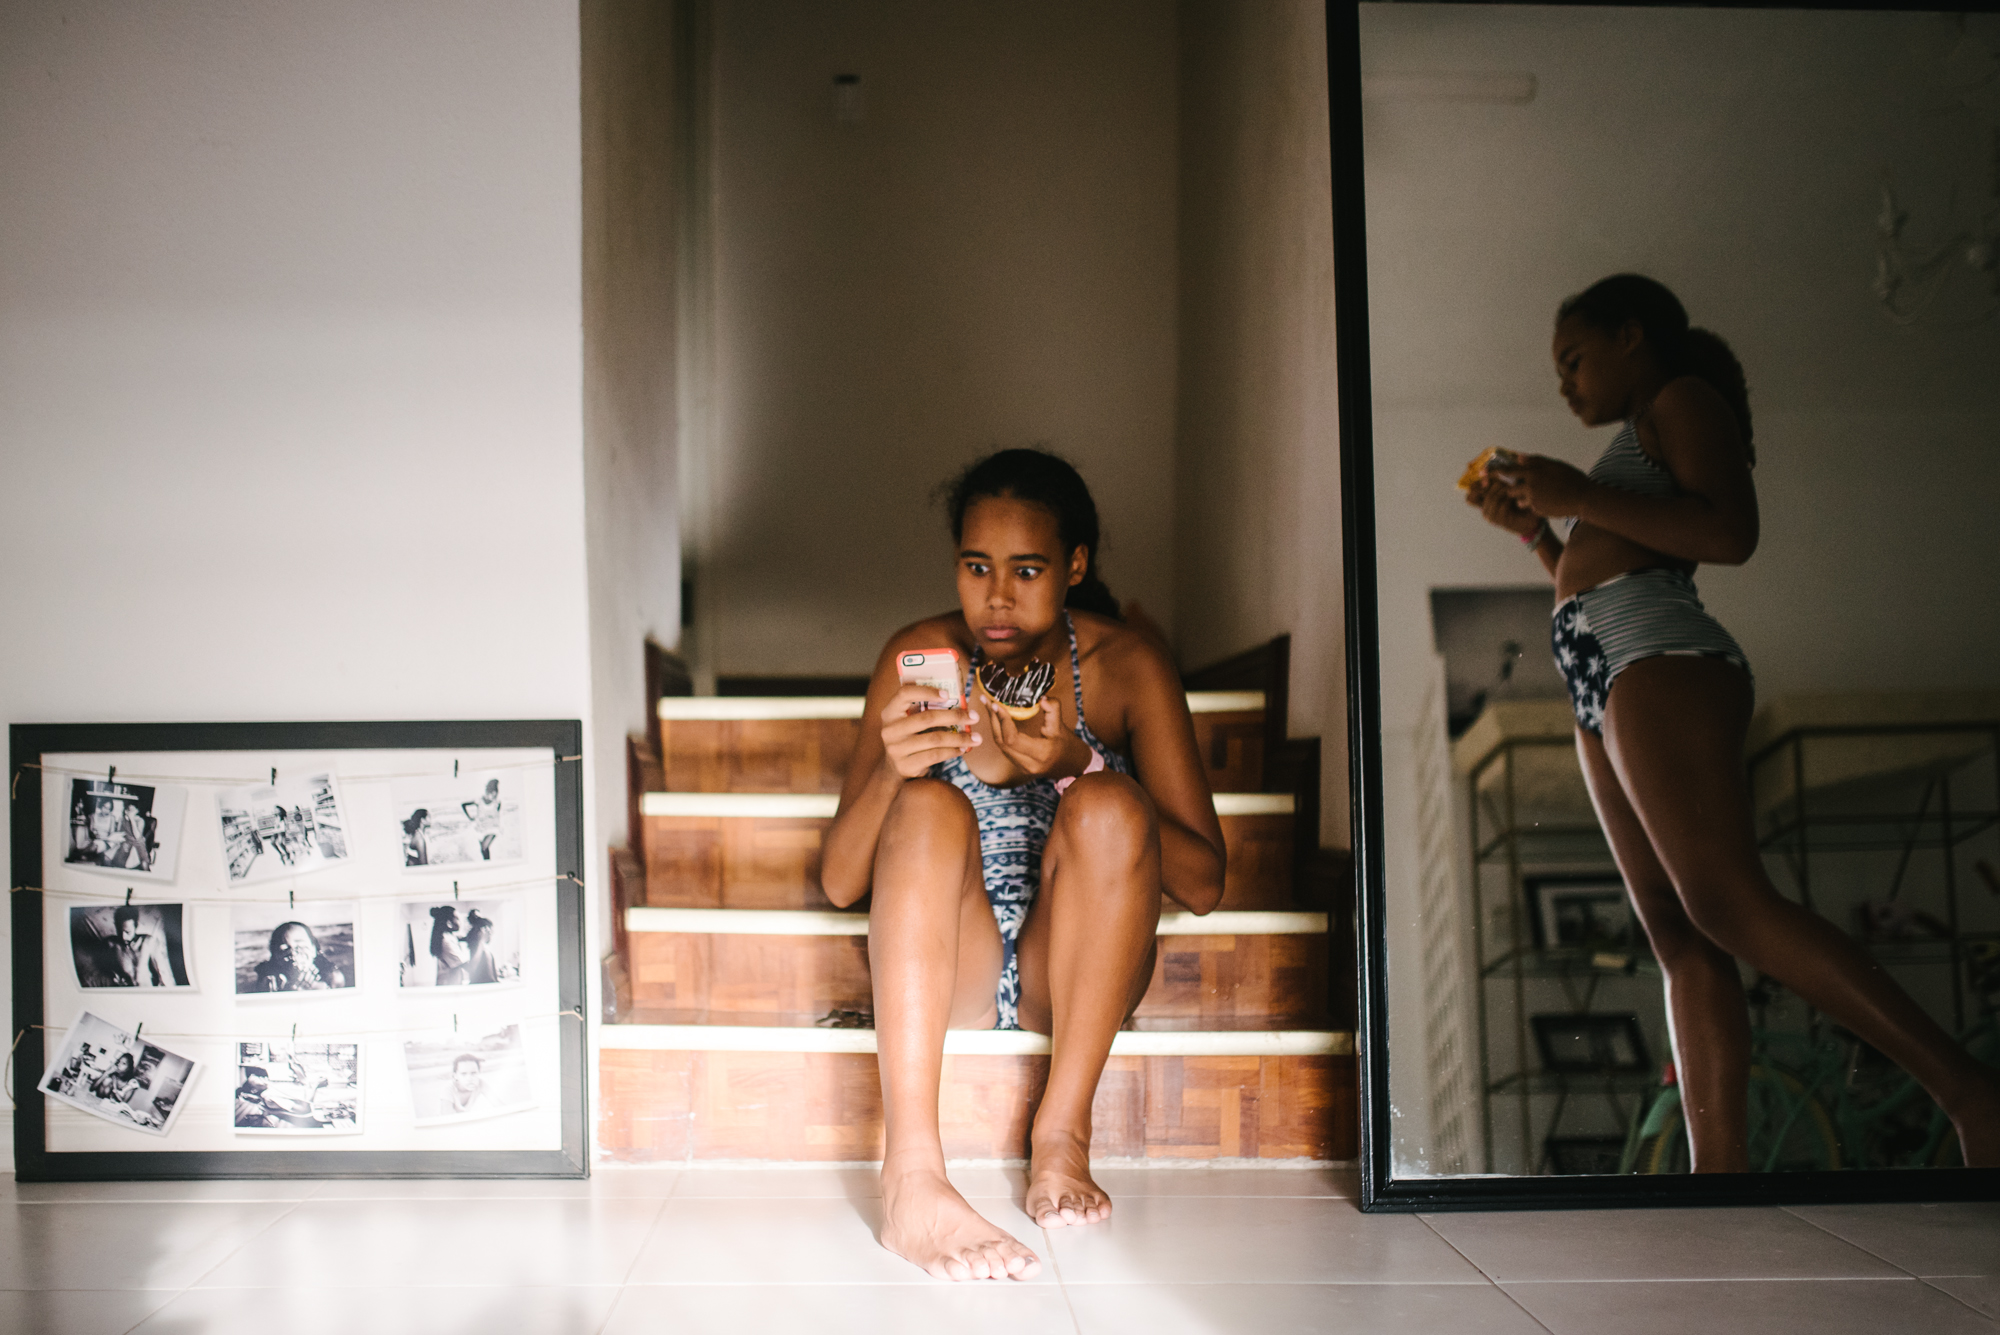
x,y
1543,488
915,738
1491,497
1049,750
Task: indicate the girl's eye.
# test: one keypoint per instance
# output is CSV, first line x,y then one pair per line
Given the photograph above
x,y
976,567
1026,572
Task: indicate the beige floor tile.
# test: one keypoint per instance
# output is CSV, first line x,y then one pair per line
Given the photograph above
x,y
415,1243
76,1311
1748,1243
1123,1182
1269,1240
1766,1307
423,1311
793,1241
834,1183
652,1184
1297,1309
43,1193
1979,1292
144,1245
843,1309
1950,1238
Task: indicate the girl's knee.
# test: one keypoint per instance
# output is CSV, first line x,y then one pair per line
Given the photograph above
x,y
1105,812
929,800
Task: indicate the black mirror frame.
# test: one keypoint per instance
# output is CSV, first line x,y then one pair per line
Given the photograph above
x,y
1381,1190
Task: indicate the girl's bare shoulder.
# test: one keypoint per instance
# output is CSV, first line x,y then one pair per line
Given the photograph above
x,y
1129,661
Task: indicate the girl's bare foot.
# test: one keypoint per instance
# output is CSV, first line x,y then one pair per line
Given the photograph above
x,y
927,1223
1060,1191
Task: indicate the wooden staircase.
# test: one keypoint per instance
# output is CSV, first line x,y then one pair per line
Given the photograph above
x,y
739,996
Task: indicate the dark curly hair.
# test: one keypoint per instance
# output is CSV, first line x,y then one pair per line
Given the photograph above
x,y
1629,298
1043,479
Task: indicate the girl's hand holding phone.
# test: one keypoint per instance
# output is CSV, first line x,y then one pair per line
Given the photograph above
x,y
927,720
920,727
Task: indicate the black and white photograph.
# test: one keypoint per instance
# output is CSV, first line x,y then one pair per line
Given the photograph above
x,y
459,823
460,942
287,828
129,945
293,948
131,830
1587,1043
463,1077
297,1088
1580,913
119,1077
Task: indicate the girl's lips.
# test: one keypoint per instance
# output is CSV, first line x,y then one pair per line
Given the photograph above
x,y
999,632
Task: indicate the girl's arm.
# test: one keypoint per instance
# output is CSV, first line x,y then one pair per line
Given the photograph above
x,y
894,746
1714,522
1169,764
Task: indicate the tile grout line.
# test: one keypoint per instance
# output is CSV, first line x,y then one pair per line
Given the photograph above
x,y
258,1233
652,1227
1494,1283
1954,1297
1864,1250
1062,1285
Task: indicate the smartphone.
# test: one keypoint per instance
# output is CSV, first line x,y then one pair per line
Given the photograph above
x,y
935,668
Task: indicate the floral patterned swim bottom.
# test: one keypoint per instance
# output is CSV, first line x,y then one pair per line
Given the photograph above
x,y
1600,632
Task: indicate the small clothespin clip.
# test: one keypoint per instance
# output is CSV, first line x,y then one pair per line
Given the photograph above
x,y
454,891
128,895
292,898
454,1022
274,776
295,1034
110,773
138,1029
454,768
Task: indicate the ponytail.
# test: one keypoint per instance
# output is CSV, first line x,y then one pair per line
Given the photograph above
x,y
1628,298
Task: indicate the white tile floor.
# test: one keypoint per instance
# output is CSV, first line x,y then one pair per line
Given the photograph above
x,y
748,1251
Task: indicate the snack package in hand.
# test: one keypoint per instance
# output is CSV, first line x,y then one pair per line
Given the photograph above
x,y
1479,467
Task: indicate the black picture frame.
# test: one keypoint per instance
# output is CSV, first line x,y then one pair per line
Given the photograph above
x,y
1559,904
29,742
1381,1189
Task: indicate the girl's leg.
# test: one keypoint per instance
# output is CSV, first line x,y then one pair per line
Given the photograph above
x,y
1706,1013
934,954
1673,731
1086,957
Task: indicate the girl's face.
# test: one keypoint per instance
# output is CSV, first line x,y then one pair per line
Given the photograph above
x,y
1601,374
1013,573
296,947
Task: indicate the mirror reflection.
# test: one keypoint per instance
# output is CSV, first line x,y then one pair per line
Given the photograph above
x,y
1691,686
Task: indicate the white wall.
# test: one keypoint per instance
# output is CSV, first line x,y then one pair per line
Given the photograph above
x,y
986,259
631,222
1738,157
1257,540
290,362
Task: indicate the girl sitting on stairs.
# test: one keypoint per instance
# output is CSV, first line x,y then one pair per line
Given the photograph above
x,y
1017,868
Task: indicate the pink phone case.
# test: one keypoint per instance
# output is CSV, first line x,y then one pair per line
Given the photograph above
x,y
936,668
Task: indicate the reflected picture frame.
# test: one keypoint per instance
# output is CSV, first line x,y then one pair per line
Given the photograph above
x,y
1382,1190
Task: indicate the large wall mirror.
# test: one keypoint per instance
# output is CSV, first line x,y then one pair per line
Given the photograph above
x,y
1822,189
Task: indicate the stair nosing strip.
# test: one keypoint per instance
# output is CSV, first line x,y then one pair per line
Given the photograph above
x,y
763,708
825,922
974,1042
822,806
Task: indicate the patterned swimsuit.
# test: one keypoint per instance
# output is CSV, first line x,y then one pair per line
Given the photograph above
x,y
1014,825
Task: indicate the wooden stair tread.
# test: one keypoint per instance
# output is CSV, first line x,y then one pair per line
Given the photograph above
x,y
736,708
822,806
761,1037
850,922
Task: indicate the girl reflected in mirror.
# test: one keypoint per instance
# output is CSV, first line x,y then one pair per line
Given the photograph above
x,y
1663,698
1017,865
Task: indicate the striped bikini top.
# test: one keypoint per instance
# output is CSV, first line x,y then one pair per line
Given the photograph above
x,y
1627,467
